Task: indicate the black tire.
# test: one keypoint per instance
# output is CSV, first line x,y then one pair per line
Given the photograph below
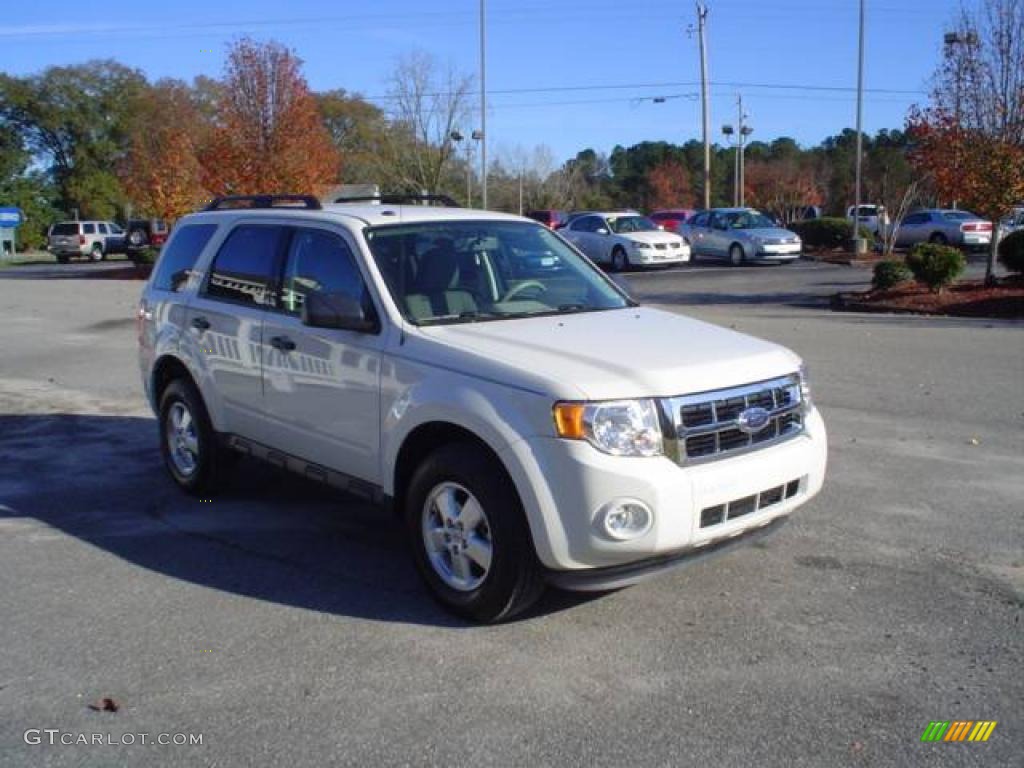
x,y
620,260
96,252
514,579
737,256
205,479
938,239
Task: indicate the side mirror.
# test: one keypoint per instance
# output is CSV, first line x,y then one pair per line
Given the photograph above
x,y
322,310
601,231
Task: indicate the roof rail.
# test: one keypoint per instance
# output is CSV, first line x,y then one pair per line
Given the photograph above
x,y
231,202
400,199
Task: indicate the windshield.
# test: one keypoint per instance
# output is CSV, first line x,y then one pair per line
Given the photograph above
x,y
472,271
622,225
748,220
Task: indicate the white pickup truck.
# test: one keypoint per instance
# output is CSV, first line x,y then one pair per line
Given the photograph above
x,y
472,371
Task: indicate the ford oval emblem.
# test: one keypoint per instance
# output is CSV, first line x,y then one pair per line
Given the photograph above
x,y
752,420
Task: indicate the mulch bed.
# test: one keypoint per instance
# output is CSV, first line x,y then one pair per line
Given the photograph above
x,y
968,298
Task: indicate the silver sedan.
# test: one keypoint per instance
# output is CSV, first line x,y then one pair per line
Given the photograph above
x,y
945,227
740,235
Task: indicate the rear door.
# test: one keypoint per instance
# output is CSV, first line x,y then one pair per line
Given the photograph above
x,y
225,322
912,229
322,385
696,231
581,234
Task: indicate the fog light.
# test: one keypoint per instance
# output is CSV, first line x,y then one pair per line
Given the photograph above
x,y
626,519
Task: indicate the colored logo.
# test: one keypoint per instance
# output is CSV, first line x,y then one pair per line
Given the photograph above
x,y
752,420
958,730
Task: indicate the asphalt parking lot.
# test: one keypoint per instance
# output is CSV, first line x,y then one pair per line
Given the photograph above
x,y
285,623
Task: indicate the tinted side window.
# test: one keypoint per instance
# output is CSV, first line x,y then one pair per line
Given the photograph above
x,y
244,268
915,219
700,220
103,228
580,225
89,229
320,261
179,256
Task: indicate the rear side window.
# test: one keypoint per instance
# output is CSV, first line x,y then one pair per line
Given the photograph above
x,y
89,229
180,255
244,269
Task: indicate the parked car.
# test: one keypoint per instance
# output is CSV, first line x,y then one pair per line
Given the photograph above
x,y
551,219
1013,222
962,229
624,240
144,233
670,219
93,239
528,427
872,217
740,235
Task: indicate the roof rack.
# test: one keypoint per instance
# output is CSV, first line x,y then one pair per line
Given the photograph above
x,y
230,202
400,199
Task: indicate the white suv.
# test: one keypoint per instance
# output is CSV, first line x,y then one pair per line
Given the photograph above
x,y
528,421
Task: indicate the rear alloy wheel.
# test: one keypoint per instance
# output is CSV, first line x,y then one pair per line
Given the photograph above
x,y
469,535
620,261
96,254
188,443
736,255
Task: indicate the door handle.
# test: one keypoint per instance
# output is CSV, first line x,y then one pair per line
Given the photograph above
x,y
282,344
201,323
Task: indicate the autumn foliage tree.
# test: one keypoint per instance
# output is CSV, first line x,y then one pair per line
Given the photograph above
x,y
784,188
268,134
161,172
669,185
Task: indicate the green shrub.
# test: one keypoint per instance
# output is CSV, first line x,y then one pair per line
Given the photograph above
x,y
1011,251
935,265
826,232
889,274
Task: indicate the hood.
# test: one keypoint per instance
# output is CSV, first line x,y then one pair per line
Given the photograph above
x,y
771,233
652,237
623,353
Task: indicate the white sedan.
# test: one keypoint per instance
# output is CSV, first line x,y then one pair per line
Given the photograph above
x,y
624,240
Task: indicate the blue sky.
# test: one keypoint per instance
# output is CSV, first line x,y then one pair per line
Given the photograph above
x,y
642,47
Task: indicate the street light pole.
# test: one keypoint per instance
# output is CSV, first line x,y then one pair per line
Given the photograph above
x,y
483,102
858,244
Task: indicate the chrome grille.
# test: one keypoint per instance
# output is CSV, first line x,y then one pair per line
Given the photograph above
x,y
705,425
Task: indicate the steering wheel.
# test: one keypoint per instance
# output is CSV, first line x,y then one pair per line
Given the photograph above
x,y
524,286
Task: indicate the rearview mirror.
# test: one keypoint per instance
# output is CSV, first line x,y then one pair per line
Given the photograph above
x,y
322,310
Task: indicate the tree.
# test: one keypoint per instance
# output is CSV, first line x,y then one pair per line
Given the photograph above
x,y
268,134
782,188
74,121
970,139
358,130
669,185
161,173
429,103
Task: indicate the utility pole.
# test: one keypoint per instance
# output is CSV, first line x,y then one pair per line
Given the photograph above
x,y
483,102
859,245
745,130
702,15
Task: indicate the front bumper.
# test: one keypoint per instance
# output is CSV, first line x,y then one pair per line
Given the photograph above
x,y
778,252
564,484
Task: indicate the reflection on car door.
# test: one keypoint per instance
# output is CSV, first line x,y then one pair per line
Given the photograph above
x,y
225,323
322,385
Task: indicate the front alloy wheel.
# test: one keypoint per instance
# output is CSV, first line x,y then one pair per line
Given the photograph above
x,y
457,537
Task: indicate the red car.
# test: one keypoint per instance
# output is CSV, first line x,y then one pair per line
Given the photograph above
x,y
550,218
671,218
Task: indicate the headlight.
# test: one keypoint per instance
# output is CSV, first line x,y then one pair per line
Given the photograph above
x,y
618,427
641,245
805,387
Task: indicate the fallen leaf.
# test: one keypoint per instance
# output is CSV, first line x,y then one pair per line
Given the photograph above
x,y
105,704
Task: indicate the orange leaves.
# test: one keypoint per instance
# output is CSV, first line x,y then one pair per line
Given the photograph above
x,y
669,185
269,136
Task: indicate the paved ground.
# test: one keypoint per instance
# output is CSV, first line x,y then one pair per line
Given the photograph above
x,y
286,625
